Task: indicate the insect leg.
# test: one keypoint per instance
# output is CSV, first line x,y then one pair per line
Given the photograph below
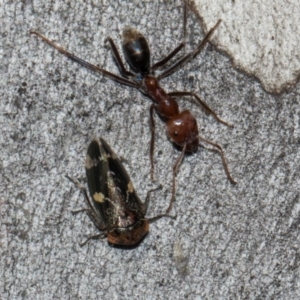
x,y
82,189
202,103
75,212
93,237
90,211
153,219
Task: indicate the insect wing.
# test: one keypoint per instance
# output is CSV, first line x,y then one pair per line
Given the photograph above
x,y
122,180
97,170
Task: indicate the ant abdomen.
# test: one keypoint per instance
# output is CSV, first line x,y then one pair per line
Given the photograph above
x,y
136,50
183,130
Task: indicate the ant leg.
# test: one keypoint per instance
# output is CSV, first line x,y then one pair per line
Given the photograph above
x,y
146,204
202,103
153,219
152,128
162,62
86,64
190,55
175,170
93,237
118,59
184,22
223,158
177,49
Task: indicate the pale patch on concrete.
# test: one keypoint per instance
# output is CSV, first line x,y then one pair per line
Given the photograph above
x,y
262,37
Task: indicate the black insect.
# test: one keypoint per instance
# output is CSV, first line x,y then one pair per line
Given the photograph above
x,y
181,127
115,208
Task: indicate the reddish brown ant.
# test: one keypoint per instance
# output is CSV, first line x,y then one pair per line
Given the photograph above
x,y
182,126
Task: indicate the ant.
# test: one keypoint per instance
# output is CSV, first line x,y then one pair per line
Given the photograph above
x,y
181,127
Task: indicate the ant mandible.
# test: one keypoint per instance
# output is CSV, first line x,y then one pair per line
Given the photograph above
x,y
182,126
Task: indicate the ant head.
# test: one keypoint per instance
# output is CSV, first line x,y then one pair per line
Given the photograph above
x,y
136,50
183,129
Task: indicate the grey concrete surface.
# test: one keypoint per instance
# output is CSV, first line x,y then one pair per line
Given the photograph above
x,y
228,242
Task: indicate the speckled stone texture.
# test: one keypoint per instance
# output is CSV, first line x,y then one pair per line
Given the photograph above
x,y
228,242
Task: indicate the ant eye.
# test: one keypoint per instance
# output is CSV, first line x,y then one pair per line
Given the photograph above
x,y
175,133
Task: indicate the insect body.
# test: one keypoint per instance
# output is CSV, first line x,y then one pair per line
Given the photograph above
x,y
181,127
115,208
